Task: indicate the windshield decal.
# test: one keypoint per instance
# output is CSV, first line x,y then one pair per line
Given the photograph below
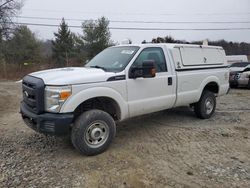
x,y
129,52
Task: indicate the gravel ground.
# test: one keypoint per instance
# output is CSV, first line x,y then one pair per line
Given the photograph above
x,y
171,148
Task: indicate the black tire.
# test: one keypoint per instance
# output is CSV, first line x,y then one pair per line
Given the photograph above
x,y
84,137
248,85
205,108
235,85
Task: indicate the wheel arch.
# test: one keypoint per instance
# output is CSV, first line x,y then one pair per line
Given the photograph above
x,y
213,87
211,84
106,104
103,95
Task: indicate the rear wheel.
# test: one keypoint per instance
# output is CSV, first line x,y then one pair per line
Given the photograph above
x,y
205,108
93,132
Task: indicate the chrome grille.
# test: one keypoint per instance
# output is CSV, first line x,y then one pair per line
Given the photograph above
x,y
33,94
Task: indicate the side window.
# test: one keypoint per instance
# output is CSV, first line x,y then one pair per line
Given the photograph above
x,y
155,54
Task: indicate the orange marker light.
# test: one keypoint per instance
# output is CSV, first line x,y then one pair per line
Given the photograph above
x,y
64,95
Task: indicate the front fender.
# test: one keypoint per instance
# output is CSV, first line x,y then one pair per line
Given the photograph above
x,y
76,99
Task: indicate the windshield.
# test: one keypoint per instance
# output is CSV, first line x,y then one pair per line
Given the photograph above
x,y
113,59
244,64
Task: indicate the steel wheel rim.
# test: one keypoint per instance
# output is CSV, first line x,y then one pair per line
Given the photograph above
x,y
209,106
97,134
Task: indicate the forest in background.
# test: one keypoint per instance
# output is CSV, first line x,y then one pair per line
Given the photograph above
x,y
231,48
21,52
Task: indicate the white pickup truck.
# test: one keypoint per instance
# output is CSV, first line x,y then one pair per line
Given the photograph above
x,y
119,83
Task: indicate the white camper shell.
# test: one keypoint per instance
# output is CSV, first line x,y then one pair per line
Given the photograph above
x,y
194,56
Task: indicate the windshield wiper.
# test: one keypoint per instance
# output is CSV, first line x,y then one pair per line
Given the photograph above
x,y
98,67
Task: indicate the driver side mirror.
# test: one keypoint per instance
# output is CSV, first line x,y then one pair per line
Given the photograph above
x,y
147,70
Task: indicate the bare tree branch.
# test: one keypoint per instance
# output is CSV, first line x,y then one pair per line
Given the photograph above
x,y
5,3
8,9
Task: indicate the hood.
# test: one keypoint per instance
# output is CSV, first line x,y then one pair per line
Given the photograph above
x,y
72,75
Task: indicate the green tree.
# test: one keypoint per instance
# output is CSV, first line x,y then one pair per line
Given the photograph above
x,y
79,49
96,36
22,47
63,46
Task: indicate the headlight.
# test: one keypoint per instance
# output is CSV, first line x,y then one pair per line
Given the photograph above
x,y
55,97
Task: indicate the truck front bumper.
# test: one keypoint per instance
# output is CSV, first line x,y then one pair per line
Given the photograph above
x,y
48,123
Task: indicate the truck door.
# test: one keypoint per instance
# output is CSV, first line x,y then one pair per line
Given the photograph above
x,y
146,95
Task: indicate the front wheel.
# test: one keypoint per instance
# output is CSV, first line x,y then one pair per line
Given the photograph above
x,y
205,108
93,132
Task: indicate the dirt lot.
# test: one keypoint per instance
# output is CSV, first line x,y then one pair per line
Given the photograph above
x,y
167,149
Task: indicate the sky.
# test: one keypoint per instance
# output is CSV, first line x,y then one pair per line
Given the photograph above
x,y
147,11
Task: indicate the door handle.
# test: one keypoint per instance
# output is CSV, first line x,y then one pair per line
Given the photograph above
x,y
170,81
